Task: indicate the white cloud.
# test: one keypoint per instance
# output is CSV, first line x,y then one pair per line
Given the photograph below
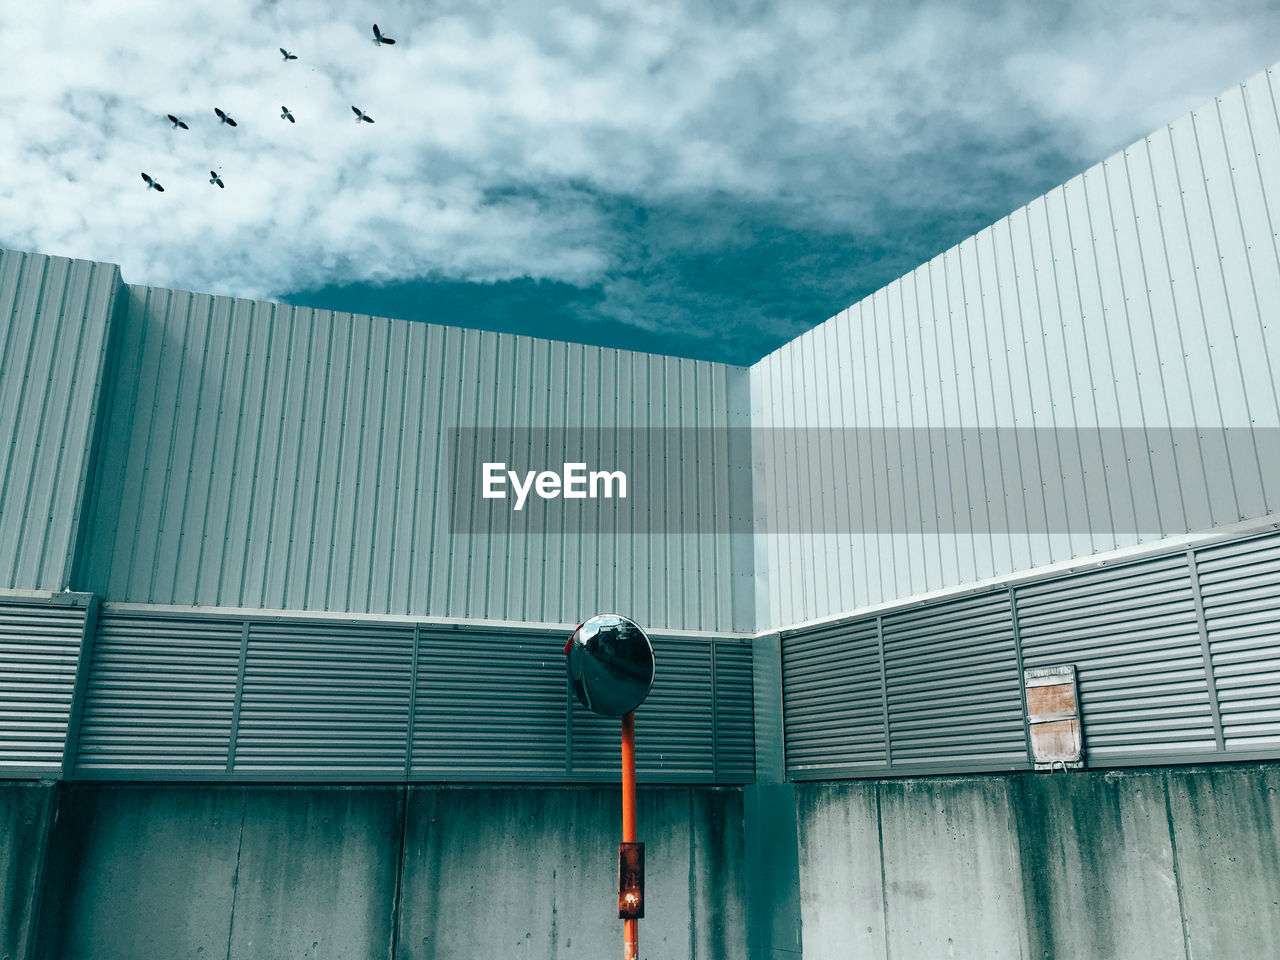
x,y
497,123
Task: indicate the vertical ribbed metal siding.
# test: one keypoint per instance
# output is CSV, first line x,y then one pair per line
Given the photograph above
x,y
1133,636
1138,294
275,698
276,457
53,348
39,654
1240,584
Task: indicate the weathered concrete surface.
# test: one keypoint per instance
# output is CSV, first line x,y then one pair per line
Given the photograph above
x,y
838,905
153,872
317,873
1097,866
26,810
1226,827
951,884
717,875
532,873
141,873
1151,864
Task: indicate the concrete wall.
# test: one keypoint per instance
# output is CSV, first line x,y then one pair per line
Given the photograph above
x,y
330,873
1178,863
26,810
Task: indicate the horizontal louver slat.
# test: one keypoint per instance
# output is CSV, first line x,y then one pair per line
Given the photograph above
x,y
832,697
326,699
160,695
39,654
1132,633
489,706
951,675
1240,589
735,714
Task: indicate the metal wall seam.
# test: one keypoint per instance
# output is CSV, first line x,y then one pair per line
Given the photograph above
x,y
884,695
1017,646
71,743
238,703
715,731
1211,685
413,701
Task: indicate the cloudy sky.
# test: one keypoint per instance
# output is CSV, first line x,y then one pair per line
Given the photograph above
x,y
703,178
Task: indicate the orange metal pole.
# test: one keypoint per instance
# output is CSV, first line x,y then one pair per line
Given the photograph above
x,y
630,928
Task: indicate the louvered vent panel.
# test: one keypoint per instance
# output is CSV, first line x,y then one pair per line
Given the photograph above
x,y
832,698
160,694
735,714
1240,587
673,726
954,692
325,699
489,706
39,651
1132,633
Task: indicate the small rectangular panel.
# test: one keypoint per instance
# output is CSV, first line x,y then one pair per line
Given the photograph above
x,y
1053,717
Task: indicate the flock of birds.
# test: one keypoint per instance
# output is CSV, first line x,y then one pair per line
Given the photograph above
x,y
379,38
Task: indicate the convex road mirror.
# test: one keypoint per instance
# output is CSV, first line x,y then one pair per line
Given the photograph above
x,y
610,661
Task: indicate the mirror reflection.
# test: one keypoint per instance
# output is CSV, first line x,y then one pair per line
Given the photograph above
x,y
610,662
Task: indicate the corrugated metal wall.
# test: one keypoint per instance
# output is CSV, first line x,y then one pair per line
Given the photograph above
x,y
1140,294
266,456
39,656
275,698
1177,657
53,349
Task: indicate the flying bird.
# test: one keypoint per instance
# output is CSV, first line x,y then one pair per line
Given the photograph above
x,y
378,38
152,184
224,118
177,122
361,116
285,114
215,179
287,55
